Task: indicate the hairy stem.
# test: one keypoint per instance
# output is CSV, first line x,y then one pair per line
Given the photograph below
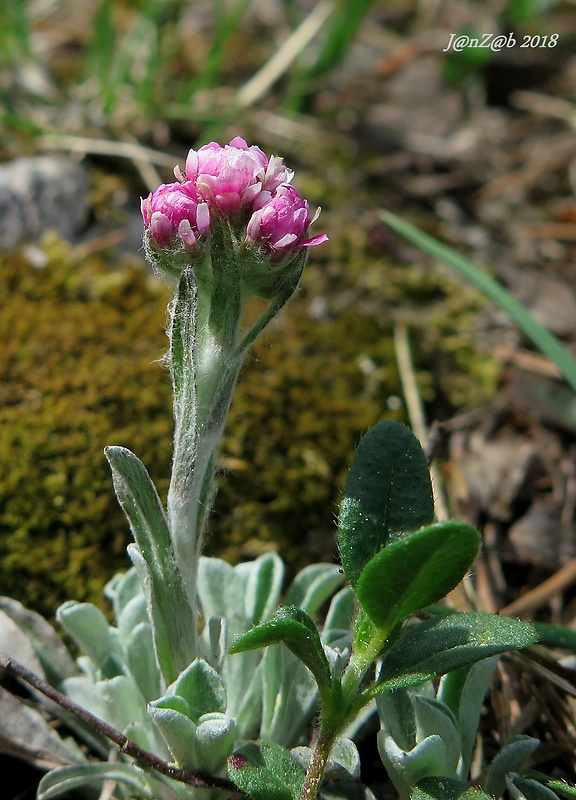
x,y
318,762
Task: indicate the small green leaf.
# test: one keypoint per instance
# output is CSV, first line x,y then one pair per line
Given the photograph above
x,y
266,771
432,648
561,787
297,630
415,571
202,688
387,491
511,758
435,788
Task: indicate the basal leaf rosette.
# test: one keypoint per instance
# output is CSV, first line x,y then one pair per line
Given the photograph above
x,y
239,189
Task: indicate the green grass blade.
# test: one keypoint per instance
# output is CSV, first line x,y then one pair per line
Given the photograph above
x,y
545,341
14,31
342,28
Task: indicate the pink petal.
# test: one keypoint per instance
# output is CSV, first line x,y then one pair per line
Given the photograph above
x,y
203,217
191,167
161,227
186,233
318,239
285,241
239,142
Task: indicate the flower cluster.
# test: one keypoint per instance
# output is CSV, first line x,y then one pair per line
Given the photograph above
x,y
238,183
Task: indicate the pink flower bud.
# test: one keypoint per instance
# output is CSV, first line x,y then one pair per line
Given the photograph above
x,y
232,177
282,223
175,210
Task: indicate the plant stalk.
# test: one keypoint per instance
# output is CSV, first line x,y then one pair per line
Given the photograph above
x,y
318,762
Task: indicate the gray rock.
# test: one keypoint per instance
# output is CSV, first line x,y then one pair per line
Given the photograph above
x,y
41,193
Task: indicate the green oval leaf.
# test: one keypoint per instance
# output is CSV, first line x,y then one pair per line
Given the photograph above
x,y
432,648
387,491
266,771
415,571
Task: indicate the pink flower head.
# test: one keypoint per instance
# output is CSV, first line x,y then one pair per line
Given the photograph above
x,y
175,210
282,223
232,177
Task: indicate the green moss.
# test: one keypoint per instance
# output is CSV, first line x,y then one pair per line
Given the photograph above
x,y
80,370
77,372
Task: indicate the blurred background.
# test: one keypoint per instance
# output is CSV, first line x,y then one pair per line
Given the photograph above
x,y
373,109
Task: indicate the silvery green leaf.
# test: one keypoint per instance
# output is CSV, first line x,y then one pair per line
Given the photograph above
x,y
49,647
141,660
121,589
463,691
16,644
337,659
244,698
179,733
511,758
25,733
133,613
148,737
220,588
202,688
397,717
172,616
173,701
289,697
86,693
433,717
140,502
116,700
214,742
174,633
406,768
340,614
214,637
60,781
313,585
527,789
89,628
263,587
